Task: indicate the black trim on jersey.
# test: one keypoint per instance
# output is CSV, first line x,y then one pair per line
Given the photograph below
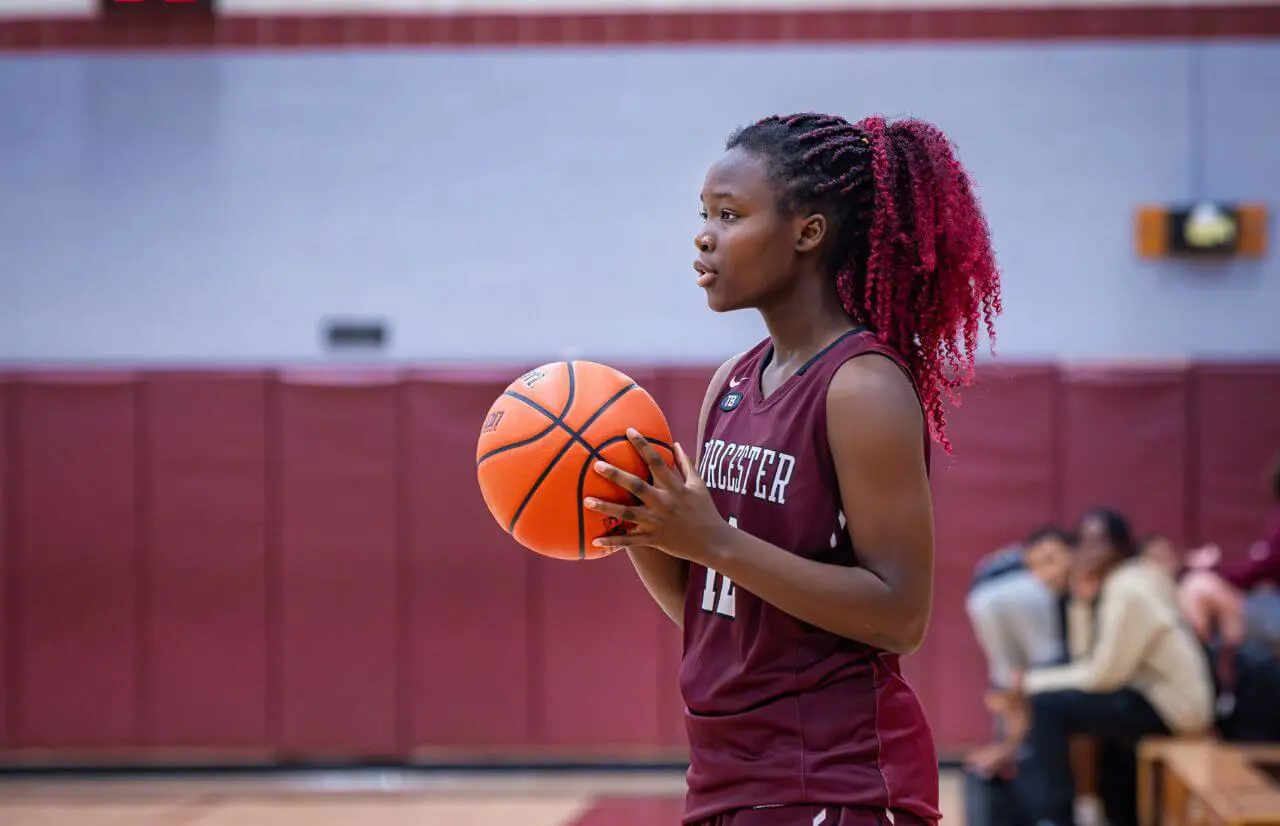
x,y
804,368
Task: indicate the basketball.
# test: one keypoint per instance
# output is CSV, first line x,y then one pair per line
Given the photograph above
x,y
539,441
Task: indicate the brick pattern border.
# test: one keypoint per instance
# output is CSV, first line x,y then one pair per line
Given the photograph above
x,y
121,32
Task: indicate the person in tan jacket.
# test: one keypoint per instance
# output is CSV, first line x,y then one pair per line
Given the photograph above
x,y
1136,670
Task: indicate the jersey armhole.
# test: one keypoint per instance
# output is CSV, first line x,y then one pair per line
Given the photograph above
x,y
897,362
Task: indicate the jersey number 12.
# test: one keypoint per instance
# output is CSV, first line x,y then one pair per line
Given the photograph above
x,y
719,600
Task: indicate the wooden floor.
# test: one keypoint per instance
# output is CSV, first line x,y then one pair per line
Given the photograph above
x,y
367,798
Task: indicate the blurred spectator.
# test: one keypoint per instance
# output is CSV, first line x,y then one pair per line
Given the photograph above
x,y
1234,608
1017,619
1019,623
1135,670
1105,532
1211,604
1160,550
1256,577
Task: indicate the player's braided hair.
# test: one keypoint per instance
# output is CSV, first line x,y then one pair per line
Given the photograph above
x,y
911,249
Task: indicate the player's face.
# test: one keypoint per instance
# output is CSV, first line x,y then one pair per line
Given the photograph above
x,y
746,247
1050,561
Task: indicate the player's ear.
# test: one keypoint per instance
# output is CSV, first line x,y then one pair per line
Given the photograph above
x,y
810,231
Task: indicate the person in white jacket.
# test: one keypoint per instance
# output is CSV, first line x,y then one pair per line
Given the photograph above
x,y
1136,669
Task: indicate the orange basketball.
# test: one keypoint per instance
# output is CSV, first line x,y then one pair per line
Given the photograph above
x,y
539,441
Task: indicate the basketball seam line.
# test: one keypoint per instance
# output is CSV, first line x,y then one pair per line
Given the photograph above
x,y
582,484
514,445
555,420
574,436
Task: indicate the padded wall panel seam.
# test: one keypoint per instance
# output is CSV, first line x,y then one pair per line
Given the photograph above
x,y
1004,452
76,565
1237,441
141,564
587,613
679,390
274,591
338,564
204,459
6,581
471,645
1126,446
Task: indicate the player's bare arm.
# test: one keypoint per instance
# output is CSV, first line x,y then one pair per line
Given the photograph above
x,y
885,600
666,577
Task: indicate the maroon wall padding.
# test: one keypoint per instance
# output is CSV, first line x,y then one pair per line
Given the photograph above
x,y
1125,444
998,484
339,570
598,654
205,633
1237,436
6,506
679,391
228,561
598,649
75,566
468,639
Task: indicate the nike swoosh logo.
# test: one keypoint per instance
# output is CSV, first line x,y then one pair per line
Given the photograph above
x,y
735,382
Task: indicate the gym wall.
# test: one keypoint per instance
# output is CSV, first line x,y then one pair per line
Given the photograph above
x,y
221,542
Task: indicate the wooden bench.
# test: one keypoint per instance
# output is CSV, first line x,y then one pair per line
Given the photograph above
x,y
1084,765
1205,782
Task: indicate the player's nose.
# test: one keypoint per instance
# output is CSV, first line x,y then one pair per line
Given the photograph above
x,y
704,242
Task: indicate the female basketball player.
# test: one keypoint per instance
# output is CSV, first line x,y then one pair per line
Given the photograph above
x,y
798,553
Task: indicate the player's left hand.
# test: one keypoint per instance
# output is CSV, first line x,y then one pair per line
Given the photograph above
x,y
675,515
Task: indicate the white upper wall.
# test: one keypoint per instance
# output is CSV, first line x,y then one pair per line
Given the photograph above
x,y
522,204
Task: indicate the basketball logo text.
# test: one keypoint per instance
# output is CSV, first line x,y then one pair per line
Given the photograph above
x,y
491,421
730,401
747,469
533,377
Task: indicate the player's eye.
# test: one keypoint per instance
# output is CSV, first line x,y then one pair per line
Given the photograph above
x,y
726,215
702,213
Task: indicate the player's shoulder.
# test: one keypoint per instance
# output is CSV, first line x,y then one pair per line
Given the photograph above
x,y
727,367
873,414
725,370
873,384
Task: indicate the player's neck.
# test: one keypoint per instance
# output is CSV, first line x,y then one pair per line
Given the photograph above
x,y
802,323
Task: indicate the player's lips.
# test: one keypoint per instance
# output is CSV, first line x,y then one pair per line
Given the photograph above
x,y
706,273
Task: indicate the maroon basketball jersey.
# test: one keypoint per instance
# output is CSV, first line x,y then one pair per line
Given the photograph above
x,y
777,710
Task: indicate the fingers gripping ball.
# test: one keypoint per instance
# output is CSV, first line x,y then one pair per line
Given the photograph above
x,y
539,442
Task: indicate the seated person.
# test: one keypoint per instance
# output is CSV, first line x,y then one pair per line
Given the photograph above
x,y
1234,608
1159,550
1237,634
1019,623
1238,600
1135,670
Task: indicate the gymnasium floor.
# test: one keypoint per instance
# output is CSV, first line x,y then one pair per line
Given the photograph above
x,y
363,798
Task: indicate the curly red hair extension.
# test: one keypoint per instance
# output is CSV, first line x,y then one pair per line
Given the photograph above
x,y
913,258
